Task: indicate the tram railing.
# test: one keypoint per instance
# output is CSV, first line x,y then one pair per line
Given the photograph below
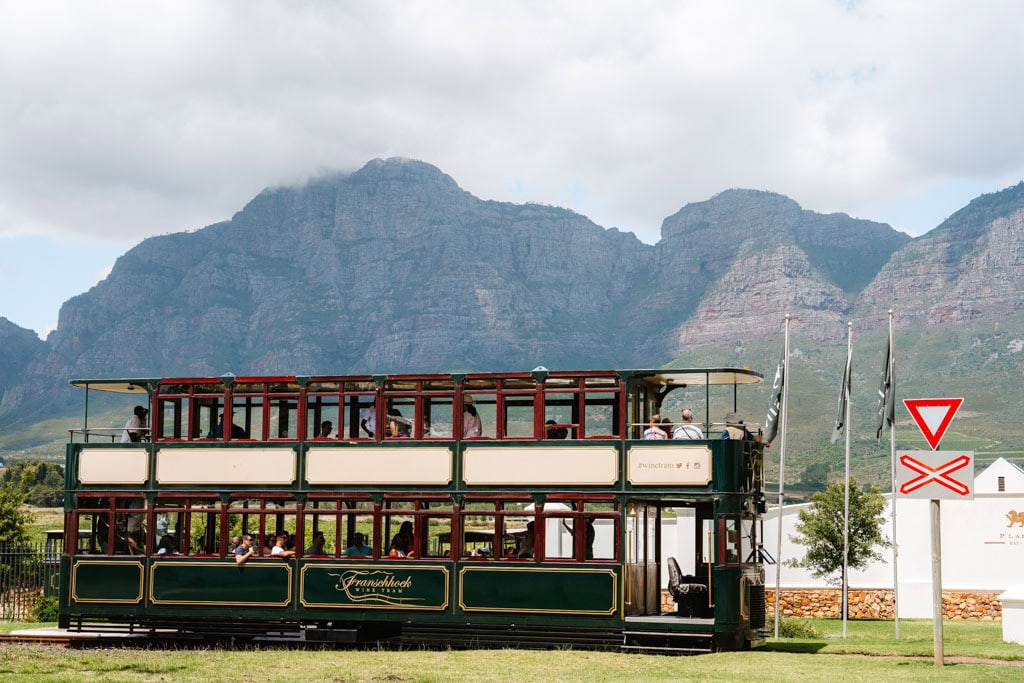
x,y
23,577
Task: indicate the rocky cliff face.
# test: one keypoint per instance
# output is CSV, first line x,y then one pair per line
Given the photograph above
x,y
970,267
396,268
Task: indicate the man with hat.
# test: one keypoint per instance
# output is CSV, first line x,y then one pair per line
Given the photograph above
x,y
135,427
734,428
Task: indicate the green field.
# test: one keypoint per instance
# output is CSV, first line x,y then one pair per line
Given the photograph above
x,y
974,653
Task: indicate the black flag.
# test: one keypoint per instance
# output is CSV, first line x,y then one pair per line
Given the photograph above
x,y
844,396
771,423
886,395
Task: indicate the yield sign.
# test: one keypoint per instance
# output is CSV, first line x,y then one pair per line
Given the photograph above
x,y
933,416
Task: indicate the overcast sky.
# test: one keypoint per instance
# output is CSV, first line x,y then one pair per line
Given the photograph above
x,y
123,120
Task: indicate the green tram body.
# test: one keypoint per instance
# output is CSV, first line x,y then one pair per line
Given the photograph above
x,y
612,486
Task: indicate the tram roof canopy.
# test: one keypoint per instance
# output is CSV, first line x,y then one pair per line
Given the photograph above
x,y
117,386
661,376
699,376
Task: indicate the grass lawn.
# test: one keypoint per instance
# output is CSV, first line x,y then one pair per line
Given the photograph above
x,y
809,659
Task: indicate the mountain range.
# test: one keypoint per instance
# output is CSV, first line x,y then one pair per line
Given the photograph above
x,y
396,268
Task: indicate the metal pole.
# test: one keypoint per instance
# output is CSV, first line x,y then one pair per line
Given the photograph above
x,y
892,456
936,581
782,472
846,480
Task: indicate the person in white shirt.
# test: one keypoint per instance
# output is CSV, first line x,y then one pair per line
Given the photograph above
x,y
687,430
135,427
655,431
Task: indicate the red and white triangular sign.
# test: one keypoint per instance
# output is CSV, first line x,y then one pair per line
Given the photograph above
x,y
933,416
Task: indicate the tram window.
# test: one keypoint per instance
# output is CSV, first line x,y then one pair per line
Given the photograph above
x,y
435,528
748,540
484,405
519,416
320,409
248,414
203,519
559,537
729,541
168,520
284,418
263,519
561,404
437,417
130,526
173,418
205,415
599,414
398,535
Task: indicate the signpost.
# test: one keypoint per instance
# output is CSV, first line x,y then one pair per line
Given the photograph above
x,y
935,475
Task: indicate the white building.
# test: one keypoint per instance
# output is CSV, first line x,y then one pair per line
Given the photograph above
x,y
982,544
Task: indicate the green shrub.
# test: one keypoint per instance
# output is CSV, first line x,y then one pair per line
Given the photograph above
x,y
45,610
798,628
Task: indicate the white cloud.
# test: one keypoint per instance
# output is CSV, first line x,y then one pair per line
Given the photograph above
x,y
126,120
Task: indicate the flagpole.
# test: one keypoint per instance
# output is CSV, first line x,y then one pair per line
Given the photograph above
x,y
846,487
892,455
782,472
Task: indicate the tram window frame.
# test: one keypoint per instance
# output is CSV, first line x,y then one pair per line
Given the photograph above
x,y
116,513
192,401
421,511
729,540
583,511
184,508
344,518
503,543
324,403
282,507
560,393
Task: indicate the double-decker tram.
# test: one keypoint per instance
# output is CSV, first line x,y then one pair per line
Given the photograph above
x,y
519,508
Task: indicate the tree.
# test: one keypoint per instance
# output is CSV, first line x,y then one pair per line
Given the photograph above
x,y
41,482
820,529
13,519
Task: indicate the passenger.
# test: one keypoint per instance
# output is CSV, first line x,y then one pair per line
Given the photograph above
x,y
472,426
368,421
135,427
166,546
280,548
734,428
235,542
326,427
398,426
217,432
687,430
555,432
591,535
655,432
402,542
525,549
245,550
316,547
357,549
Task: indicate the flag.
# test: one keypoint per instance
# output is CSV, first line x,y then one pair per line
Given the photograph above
x,y
844,396
771,423
886,395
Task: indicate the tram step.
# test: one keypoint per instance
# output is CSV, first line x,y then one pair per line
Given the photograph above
x,y
651,649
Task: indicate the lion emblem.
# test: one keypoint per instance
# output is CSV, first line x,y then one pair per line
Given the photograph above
x,y
1015,518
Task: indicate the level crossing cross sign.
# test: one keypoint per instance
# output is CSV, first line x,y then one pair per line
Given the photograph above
x,y
935,475
933,416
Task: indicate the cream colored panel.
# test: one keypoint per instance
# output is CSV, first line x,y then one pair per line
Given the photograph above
x,y
225,466
113,466
553,465
669,465
384,466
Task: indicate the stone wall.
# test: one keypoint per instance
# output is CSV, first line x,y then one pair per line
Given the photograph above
x,y
868,604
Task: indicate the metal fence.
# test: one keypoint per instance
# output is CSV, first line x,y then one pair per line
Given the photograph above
x,y
24,571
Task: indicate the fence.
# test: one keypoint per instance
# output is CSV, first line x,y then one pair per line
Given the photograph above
x,y
24,573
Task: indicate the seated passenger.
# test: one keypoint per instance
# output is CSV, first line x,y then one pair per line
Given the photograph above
x,y
555,432
655,432
217,432
734,428
357,549
280,548
326,427
402,542
687,430
525,543
135,427
316,547
166,546
399,427
243,552
472,426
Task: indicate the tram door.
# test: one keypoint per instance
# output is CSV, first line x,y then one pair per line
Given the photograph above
x,y
642,589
